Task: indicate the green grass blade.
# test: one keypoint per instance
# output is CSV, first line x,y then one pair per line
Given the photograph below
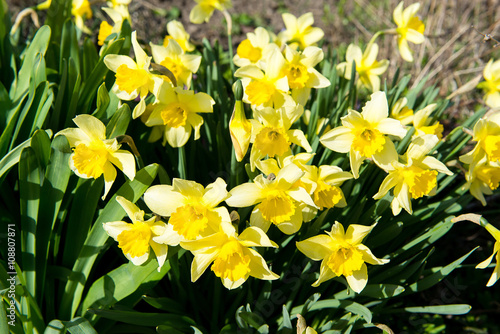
x,y
452,309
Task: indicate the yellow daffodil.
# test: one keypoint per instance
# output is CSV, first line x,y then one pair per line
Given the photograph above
x,y
231,256
81,10
181,65
136,239
328,180
496,253
105,29
491,85
482,178
401,112
486,133
422,122
133,78
177,32
367,66
278,198
205,8
410,28
301,74
176,111
342,254
271,133
192,209
299,32
414,178
267,87
240,127
94,155
254,48
364,135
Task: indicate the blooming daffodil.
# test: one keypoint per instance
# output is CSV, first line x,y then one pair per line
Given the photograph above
x,y
410,28
254,48
136,239
367,66
342,254
299,32
193,209
177,32
491,83
94,155
205,8
231,256
365,134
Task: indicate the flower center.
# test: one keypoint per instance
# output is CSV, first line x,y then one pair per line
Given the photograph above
x,y
419,181
272,141
297,75
174,115
326,196
231,263
189,221
345,260
277,208
259,92
129,80
492,147
415,23
368,142
489,175
175,66
89,161
135,241
248,51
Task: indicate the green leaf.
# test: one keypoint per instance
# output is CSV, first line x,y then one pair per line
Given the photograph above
x,y
118,124
437,276
381,291
29,191
69,45
58,12
181,323
451,309
90,58
55,327
165,304
102,101
79,325
119,283
131,190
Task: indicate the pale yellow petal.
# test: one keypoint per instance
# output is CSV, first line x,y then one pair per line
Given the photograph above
x,y
254,237
357,281
162,200
315,247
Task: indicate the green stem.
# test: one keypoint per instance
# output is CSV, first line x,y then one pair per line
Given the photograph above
x,y
379,33
182,163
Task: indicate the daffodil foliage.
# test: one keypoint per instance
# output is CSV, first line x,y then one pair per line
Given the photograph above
x,y
183,188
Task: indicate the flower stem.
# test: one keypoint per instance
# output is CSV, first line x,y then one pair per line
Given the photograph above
x,y
181,167
229,21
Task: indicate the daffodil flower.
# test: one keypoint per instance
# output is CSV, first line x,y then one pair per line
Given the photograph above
x,y
231,256
94,155
81,10
491,85
205,8
277,198
410,28
192,208
367,66
177,32
401,112
271,133
105,29
301,74
342,254
482,178
254,48
181,65
267,87
486,133
136,239
133,78
496,253
176,112
299,32
365,134
328,179
416,177
422,122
